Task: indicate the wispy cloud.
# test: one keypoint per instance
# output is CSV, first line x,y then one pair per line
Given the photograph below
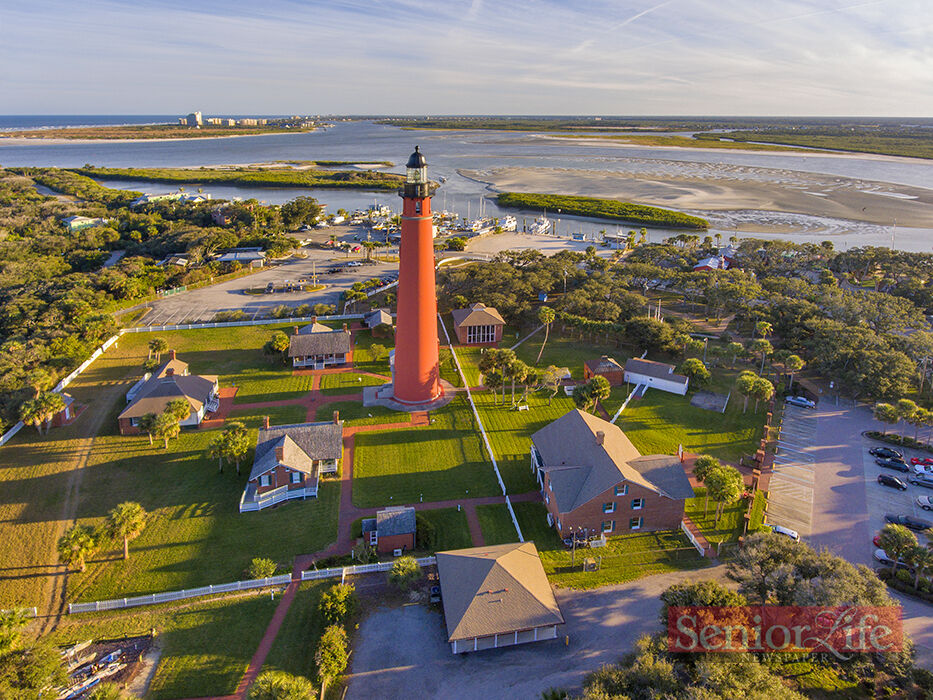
x,y
467,56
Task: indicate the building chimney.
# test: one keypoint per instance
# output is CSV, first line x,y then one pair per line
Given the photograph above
x,y
313,320
265,422
279,454
600,437
345,329
336,417
169,371
171,354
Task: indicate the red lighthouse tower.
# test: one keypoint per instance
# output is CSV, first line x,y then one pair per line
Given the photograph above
x,y
416,378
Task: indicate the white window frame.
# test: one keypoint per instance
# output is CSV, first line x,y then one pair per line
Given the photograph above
x,y
621,490
640,503
296,477
610,523
481,334
609,507
640,521
264,480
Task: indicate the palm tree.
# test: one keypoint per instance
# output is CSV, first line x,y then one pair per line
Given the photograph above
x,y
40,380
546,316
78,542
793,364
52,403
763,328
702,468
922,560
216,449
493,379
919,417
31,413
762,390
146,424
905,409
236,442
760,345
896,541
166,427
157,346
599,389
126,521
179,408
744,385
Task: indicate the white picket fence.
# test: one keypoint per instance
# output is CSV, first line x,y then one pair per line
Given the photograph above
x,y
170,596
693,540
482,430
344,571
231,324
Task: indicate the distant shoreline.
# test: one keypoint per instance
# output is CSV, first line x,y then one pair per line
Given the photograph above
x,y
137,134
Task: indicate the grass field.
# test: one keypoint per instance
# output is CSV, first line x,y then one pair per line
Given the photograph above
x,y
355,413
730,525
567,351
659,422
624,558
206,645
194,534
278,415
451,527
297,640
510,433
258,384
496,524
363,357
441,461
347,383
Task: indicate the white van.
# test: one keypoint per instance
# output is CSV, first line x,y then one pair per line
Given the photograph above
x,y
786,531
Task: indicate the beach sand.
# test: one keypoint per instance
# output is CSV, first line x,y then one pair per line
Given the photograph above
x,y
725,188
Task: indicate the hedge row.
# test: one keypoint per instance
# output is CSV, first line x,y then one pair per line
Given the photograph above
x,y
602,209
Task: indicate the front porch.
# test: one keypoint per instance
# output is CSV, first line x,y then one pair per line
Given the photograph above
x,y
252,501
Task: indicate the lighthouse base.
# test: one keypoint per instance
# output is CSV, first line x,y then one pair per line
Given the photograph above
x,y
383,396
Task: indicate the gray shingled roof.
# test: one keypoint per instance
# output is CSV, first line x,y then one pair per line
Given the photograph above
x,y
602,365
580,469
314,327
658,370
395,521
495,590
378,317
156,394
477,315
301,443
331,343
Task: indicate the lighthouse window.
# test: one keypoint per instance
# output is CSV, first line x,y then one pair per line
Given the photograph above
x,y
417,207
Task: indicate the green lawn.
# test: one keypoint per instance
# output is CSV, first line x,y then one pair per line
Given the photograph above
x,y
624,558
195,534
510,433
278,415
355,413
259,384
496,524
206,645
297,640
453,531
347,383
469,360
444,460
364,359
658,422
729,527
568,351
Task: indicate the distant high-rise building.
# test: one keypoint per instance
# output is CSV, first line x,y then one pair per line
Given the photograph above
x,y
194,119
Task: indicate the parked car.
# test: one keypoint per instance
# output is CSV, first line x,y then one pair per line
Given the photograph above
x,y
908,521
925,480
925,502
894,464
801,401
876,540
354,263
270,287
892,481
885,452
921,469
786,531
924,461
882,556
333,270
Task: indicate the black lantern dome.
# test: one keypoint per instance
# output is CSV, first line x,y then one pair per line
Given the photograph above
x,y
416,160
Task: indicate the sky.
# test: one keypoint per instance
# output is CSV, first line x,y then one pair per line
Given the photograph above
x,y
645,57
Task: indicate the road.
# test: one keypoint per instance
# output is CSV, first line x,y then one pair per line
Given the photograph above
x,y
847,504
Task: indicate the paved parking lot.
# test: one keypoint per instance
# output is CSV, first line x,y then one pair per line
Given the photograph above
x,y
883,499
790,499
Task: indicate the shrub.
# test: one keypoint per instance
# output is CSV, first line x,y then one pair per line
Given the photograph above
x,y
405,571
277,685
904,577
338,603
425,533
227,316
262,568
332,655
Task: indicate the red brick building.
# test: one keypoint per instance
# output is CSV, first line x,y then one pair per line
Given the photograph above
x,y
289,460
391,529
594,481
606,367
478,324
